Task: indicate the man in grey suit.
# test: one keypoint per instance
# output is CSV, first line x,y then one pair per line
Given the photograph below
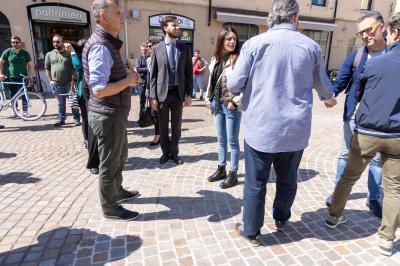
x,y
171,86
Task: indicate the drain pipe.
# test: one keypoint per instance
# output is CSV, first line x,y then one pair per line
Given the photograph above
x,y
126,33
209,12
331,37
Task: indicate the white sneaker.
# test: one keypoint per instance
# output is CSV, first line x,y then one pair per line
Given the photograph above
x,y
385,247
13,114
26,114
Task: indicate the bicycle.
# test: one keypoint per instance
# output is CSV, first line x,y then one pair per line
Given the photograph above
x,y
33,104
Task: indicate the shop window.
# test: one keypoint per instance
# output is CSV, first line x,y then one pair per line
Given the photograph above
x,y
366,4
321,37
318,2
245,31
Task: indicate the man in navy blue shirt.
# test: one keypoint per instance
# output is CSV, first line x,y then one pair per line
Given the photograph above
x,y
370,29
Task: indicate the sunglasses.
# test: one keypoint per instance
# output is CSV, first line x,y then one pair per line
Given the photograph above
x,y
56,42
15,42
369,31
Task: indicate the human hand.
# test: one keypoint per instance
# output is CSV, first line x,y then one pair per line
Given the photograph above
x,y
133,78
231,106
154,104
188,101
3,77
68,47
330,102
208,104
52,82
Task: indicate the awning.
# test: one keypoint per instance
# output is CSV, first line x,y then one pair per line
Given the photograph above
x,y
262,20
241,18
311,25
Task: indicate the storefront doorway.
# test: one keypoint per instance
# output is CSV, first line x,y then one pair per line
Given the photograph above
x,y
71,22
185,24
5,33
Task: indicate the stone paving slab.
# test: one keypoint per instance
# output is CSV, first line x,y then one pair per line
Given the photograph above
x,y
50,213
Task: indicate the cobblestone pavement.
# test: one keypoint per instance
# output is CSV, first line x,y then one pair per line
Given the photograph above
x,y
50,213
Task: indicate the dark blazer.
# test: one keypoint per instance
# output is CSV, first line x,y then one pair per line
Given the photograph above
x,y
159,72
349,78
379,111
141,67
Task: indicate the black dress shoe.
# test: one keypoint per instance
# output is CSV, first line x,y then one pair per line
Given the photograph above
x,y
375,207
94,171
176,159
59,124
122,214
218,175
152,144
127,195
230,181
86,144
164,158
1,126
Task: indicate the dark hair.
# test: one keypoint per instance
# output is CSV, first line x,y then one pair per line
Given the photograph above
x,y
394,22
197,51
14,37
79,47
371,14
58,35
165,21
220,45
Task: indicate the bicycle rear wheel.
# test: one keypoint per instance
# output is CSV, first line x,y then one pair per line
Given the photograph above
x,y
32,108
1,100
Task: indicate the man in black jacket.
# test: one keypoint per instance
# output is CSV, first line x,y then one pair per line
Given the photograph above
x,y
377,130
171,86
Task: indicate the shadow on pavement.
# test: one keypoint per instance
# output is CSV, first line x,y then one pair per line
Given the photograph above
x,y
66,246
18,178
218,206
359,224
144,132
5,155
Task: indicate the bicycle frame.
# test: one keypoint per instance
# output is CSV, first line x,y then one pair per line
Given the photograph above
x,y
23,88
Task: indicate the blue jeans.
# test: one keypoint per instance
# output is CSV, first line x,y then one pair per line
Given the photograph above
x,y
227,125
61,93
198,81
375,171
257,168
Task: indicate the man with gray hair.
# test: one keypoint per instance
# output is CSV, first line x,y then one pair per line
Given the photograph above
x,y
276,71
370,30
109,106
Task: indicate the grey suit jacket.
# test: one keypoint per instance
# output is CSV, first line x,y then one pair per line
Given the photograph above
x,y
159,72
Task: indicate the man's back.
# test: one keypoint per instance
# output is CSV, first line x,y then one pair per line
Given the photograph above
x,y
284,67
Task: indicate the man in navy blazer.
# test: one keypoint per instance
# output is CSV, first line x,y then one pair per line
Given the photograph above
x,y
370,29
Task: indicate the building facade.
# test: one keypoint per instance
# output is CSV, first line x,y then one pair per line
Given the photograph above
x,y
331,23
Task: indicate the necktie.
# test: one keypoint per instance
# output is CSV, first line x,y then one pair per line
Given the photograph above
x,y
171,59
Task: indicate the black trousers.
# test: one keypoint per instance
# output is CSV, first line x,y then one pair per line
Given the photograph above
x,y
83,107
173,104
93,148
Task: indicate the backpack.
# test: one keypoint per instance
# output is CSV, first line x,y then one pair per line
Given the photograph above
x,y
356,64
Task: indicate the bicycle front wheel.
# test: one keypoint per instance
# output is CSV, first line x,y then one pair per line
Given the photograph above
x,y
1,101
31,108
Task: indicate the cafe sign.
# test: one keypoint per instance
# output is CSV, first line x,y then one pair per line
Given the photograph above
x,y
59,14
183,22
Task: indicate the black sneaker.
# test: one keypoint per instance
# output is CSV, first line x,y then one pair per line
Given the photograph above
x,y
332,222
122,214
375,207
127,195
59,123
255,241
280,225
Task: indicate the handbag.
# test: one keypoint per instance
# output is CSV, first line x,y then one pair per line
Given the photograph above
x,y
73,98
145,117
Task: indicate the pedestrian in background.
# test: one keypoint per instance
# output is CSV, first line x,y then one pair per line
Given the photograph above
x,y
199,67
